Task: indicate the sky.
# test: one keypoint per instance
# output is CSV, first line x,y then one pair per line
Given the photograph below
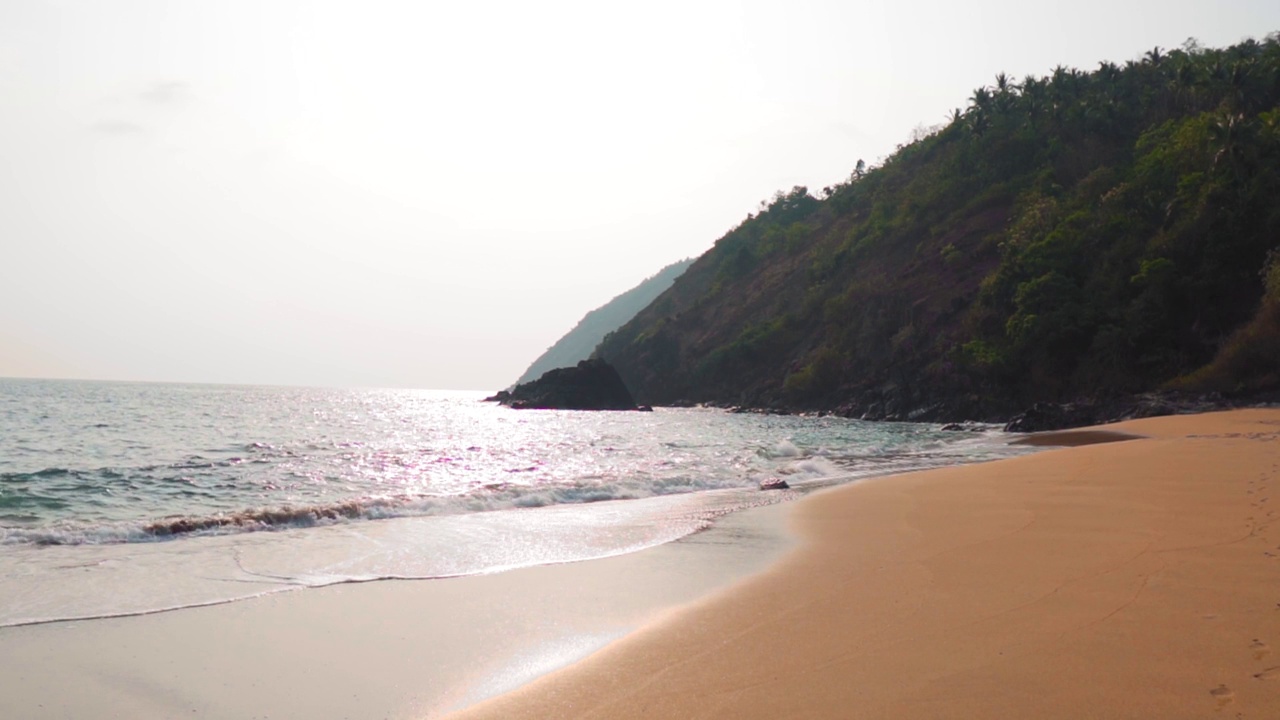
x,y
429,194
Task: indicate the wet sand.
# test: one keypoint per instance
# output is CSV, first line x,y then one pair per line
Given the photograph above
x,y
1073,438
386,649
1136,579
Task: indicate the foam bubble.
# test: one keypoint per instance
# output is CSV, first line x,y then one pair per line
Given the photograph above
x,y
785,448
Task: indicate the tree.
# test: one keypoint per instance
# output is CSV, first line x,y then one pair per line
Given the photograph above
x,y
980,111
1006,92
1227,132
1035,98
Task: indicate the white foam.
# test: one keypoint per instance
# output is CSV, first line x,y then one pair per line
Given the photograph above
x,y
814,467
41,584
785,448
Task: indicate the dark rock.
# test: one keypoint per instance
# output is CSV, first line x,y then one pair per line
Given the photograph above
x,y
1153,408
874,411
754,410
591,385
501,396
774,484
1053,416
1060,416
977,412
926,414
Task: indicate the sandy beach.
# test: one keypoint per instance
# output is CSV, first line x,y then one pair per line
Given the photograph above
x,y
1133,578
1136,579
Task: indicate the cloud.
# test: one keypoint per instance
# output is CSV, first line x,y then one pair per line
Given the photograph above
x,y
118,127
166,93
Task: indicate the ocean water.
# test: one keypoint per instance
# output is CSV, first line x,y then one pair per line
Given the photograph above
x,y
125,498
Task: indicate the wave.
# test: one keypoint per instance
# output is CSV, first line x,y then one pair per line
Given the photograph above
x,y
195,462
494,496
487,497
259,519
249,520
38,474
37,506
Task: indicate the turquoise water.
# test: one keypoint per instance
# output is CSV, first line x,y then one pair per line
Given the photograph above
x,y
120,498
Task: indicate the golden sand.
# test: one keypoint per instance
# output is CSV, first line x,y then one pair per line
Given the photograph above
x,y
1135,579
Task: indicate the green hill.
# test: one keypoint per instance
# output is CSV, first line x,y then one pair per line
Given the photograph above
x,y
1080,235
579,342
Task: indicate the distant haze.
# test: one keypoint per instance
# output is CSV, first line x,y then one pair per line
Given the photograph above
x,y
429,194
579,343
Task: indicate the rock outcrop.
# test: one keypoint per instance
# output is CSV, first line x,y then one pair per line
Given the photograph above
x,y
1042,417
581,341
590,385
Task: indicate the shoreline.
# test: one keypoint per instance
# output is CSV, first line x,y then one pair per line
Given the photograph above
x,y
651,631
1124,579
431,646
387,648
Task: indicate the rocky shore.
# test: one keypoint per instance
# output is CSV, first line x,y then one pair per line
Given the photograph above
x,y
963,414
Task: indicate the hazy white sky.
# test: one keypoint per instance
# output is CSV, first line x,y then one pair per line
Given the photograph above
x,y
428,194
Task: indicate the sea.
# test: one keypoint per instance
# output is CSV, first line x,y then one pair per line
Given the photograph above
x,y
131,498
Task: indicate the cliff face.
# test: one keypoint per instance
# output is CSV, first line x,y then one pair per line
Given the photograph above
x,y
578,343
1083,235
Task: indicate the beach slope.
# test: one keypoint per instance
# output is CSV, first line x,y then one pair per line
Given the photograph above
x,y
1127,579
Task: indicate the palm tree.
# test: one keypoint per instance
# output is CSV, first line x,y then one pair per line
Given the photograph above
x,y
1237,85
1227,133
1248,49
1184,82
1006,90
980,111
981,99
979,123
1108,79
1035,98
1064,91
1108,72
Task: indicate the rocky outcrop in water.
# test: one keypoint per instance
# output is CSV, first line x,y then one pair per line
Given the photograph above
x,y
590,385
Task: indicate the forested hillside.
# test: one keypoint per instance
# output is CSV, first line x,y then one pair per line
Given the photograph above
x,y
1081,235
579,342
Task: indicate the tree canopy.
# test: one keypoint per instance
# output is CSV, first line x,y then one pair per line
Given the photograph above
x,y
1083,233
